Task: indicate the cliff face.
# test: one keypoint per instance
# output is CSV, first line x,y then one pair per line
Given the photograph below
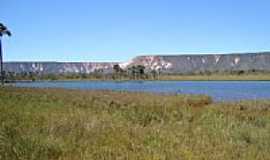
x,y
58,67
168,64
202,63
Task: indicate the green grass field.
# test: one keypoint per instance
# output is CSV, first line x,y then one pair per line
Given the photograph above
x,y
59,124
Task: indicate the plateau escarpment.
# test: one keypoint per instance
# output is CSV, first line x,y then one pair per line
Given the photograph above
x,y
173,64
58,67
205,63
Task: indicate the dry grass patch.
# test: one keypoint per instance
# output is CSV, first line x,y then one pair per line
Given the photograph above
x,y
72,124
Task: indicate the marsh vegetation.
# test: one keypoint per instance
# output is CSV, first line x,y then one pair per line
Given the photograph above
x,y
72,124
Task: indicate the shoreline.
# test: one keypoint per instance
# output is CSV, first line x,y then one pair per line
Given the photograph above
x,y
213,77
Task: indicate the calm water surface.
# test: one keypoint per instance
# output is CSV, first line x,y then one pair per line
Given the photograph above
x,y
218,90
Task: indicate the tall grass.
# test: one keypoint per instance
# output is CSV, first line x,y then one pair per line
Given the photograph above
x,y
70,124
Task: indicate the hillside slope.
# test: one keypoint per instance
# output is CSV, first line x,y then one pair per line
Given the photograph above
x,y
202,63
164,63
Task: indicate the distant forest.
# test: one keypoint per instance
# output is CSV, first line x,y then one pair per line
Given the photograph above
x,y
137,72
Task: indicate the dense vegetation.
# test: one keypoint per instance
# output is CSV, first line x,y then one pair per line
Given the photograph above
x,y
139,73
70,124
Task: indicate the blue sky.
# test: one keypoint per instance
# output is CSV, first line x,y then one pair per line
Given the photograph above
x,y
117,30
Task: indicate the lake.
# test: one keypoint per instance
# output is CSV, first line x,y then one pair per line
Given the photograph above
x,y
218,90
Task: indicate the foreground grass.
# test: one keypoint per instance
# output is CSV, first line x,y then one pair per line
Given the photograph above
x,y
70,124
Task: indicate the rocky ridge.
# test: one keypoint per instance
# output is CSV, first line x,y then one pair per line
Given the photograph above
x,y
164,63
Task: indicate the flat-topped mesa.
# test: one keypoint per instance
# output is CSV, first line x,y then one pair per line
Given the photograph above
x,y
205,62
173,64
59,67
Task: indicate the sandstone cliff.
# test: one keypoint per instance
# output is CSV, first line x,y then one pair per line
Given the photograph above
x,y
164,63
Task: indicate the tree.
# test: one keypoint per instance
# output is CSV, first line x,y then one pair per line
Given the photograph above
x,y
131,72
117,68
3,31
136,71
140,70
118,71
154,73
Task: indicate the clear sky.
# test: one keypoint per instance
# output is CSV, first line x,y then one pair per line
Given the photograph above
x,y
117,30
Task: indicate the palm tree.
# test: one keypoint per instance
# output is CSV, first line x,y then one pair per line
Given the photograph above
x,y
3,31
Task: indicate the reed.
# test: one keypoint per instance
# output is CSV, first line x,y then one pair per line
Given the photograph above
x,y
60,124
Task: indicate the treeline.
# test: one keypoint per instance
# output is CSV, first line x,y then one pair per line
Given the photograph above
x,y
137,72
226,72
132,73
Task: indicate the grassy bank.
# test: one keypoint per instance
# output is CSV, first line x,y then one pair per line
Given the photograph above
x,y
218,77
71,124
110,77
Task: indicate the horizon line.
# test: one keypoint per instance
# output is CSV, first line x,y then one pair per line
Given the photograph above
x,y
142,55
